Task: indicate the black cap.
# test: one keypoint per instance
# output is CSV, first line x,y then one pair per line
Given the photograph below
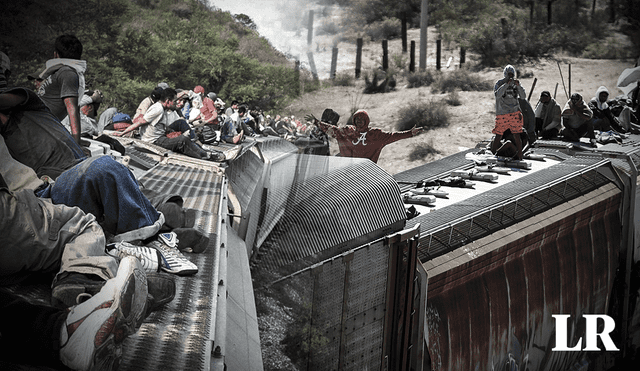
x,y
545,94
576,96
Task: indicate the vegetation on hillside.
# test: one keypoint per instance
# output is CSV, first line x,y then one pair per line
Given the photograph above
x,y
131,46
507,31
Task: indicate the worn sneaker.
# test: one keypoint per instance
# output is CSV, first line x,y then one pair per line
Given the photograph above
x,y
162,289
72,287
216,156
172,260
92,334
191,240
149,257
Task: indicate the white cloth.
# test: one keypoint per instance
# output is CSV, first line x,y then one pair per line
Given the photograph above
x,y
155,117
52,65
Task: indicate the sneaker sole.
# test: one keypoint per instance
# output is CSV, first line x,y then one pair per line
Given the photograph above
x,y
117,311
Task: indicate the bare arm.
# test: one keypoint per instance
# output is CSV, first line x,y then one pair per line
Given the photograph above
x,y
74,117
137,122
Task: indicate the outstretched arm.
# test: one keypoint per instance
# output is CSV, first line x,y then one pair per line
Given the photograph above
x,y
325,127
139,121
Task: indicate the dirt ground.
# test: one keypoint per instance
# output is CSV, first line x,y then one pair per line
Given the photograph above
x,y
472,121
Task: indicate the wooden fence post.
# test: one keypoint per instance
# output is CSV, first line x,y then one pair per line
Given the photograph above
x,y
385,55
358,57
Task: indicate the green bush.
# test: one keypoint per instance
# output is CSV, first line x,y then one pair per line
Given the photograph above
x,y
328,28
386,29
344,79
453,98
399,61
428,115
132,46
420,78
502,33
611,49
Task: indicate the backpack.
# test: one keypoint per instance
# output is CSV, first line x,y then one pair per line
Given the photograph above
x,y
208,135
121,117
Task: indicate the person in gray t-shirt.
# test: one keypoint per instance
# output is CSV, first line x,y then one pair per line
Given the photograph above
x,y
63,81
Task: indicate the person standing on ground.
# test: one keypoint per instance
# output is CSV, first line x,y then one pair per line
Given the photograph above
x,y
359,140
63,82
508,114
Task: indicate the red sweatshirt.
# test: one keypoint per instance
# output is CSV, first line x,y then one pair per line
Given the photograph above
x,y
367,143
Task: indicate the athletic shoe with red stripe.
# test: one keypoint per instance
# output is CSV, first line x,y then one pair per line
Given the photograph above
x,y
93,332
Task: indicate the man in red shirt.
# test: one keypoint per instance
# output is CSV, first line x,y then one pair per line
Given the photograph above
x,y
208,112
360,140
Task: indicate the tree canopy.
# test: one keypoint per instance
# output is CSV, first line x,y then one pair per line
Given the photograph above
x,y
131,46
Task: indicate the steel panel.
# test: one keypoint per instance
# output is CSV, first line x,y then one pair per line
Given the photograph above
x,y
495,309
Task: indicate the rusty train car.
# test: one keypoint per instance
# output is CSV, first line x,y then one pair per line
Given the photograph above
x,y
492,261
373,278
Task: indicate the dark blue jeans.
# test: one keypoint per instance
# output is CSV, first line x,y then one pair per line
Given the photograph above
x,y
182,144
182,126
108,190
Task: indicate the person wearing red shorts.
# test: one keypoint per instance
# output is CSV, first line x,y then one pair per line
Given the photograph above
x,y
508,114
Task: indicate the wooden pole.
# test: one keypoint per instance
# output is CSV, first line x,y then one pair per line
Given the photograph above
x,y
412,57
569,80
404,33
334,62
533,86
358,57
312,64
385,55
310,28
463,56
555,91
438,53
424,23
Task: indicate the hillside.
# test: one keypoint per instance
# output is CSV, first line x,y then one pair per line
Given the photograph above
x,y
472,121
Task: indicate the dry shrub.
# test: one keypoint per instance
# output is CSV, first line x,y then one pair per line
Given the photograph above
x,y
429,115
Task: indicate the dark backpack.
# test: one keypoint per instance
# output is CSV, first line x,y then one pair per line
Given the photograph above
x,y
208,135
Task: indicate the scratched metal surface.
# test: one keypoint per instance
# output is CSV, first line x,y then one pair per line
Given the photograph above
x,y
490,303
177,337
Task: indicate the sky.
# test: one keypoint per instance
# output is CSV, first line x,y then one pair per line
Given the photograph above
x,y
284,24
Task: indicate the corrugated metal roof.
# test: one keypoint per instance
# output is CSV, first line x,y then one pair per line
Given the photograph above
x,y
178,336
335,203
495,206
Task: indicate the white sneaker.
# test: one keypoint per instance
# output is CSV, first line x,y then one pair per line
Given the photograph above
x,y
149,257
93,332
171,259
